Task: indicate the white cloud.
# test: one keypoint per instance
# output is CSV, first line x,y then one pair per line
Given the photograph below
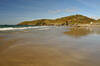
x,y
95,17
55,11
68,10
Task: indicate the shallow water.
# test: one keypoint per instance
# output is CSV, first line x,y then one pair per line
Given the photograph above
x,y
51,46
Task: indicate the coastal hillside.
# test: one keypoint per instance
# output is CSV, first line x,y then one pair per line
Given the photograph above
x,y
98,20
69,20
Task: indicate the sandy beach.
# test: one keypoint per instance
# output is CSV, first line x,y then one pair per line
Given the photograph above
x,y
50,46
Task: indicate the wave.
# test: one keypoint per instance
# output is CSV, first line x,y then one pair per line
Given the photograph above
x,y
21,28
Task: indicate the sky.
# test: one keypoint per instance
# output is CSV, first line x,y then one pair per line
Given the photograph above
x,y
16,11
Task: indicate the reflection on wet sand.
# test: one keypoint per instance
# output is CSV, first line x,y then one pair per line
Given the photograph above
x,y
78,32
50,48
81,31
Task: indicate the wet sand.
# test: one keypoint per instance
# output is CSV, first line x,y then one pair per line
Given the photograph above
x,y
51,47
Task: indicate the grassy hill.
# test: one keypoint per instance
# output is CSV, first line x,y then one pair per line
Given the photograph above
x,y
69,20
98,20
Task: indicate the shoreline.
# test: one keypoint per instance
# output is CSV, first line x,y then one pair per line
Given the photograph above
x,y
51,47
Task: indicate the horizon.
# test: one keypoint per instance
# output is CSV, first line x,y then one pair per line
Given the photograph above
x,y
15,11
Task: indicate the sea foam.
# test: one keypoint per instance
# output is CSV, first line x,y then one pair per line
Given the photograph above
x,y
20,28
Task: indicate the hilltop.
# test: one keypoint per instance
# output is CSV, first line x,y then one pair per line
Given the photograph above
x,y
69,20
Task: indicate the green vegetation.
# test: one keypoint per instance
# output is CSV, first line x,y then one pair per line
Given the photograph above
x,y
69,20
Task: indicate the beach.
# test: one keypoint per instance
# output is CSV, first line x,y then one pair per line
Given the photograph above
x,y
50,46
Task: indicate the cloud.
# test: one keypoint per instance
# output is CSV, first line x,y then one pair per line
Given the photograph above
x,y
68,10
95,17
55,11
71,10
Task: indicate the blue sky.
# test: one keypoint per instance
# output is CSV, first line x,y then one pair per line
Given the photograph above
x,y
15,11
